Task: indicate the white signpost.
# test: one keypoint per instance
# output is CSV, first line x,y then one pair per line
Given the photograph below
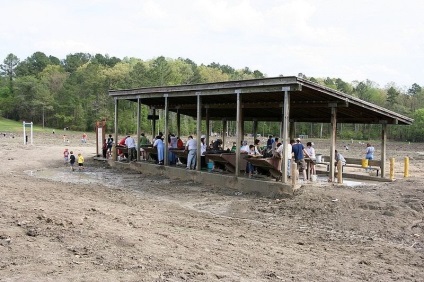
x,y
27,124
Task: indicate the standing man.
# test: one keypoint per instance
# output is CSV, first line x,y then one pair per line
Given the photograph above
x,y
299,153
289,155
130,143
269,142
191,147
143,141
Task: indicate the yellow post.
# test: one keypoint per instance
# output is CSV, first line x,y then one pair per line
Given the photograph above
x,y
406,168
339,172
392,168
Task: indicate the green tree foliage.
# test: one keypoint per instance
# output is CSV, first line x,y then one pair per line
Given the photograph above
x,y
416,130
392,95
74,61
9,65
33,65
73,92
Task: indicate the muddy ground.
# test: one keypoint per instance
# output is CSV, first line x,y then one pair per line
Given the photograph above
x,y
103,224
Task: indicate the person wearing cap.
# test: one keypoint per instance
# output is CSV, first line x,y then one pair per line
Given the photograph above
x,y
132,152
299,153
191,147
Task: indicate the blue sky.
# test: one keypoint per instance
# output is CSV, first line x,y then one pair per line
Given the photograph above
x,y
380,40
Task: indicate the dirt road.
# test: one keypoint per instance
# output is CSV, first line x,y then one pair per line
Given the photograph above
x,y
114,225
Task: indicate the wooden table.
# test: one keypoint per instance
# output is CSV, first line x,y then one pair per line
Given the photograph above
x,y
272,164
151,153
228,160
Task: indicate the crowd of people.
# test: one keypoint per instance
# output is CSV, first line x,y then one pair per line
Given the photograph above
x,y
303,156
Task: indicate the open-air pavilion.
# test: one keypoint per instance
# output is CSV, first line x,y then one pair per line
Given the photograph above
x,y
286,100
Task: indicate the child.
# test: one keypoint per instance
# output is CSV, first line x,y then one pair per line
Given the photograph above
x,y
66,155
72,161
80,162
104,149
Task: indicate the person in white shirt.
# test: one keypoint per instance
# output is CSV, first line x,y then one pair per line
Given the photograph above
x,y
244,148
339,158
191,147
160,147
202,145
132,152
289,156
311,153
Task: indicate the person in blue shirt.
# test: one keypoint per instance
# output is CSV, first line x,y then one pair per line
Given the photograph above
x,y
299,153
369,153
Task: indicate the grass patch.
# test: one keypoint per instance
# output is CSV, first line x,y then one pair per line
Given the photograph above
x,y
11,126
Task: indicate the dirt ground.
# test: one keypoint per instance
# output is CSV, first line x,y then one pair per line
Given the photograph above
x,y
103,224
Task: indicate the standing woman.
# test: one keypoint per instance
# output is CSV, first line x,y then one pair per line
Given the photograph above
x,y
369,153
160,148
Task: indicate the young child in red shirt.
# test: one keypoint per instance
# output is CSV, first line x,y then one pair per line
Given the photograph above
x,y
66,156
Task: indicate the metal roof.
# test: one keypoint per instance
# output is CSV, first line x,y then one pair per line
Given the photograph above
x,y
262,100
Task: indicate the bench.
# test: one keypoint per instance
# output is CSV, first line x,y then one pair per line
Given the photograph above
x,y
372,164
352,162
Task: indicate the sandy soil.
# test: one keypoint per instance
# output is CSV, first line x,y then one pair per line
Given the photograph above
x,y
115,225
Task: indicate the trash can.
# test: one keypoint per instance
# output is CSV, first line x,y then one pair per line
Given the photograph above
x,y
210,166
364,163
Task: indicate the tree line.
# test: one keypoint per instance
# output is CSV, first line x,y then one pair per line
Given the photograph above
x,y
73,92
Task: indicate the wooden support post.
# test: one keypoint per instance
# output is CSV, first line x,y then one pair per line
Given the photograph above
x,y
383,148
333,142
207,126
154,123
178,123
285,133
115,157
224,130
239,131
166,131
138,129
255,129
198,133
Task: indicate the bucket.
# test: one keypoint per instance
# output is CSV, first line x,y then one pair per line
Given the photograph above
x,y
210,166
319,158
364,163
